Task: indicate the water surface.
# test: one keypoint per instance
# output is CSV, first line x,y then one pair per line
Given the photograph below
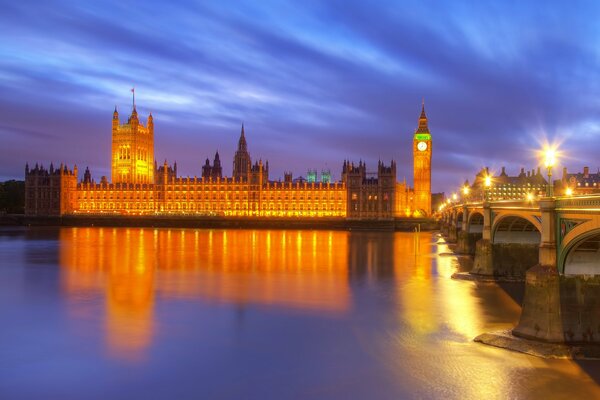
x,y
100,313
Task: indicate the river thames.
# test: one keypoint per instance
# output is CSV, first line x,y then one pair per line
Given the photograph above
x,y
95,313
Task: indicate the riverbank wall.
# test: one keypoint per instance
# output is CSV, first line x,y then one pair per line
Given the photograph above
x,y
168,221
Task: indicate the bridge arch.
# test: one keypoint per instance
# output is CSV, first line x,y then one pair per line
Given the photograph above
x,y
582,255
475,221
459,220
515,228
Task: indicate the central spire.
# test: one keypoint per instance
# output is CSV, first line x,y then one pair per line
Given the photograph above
x,y
242,145
133,95
423,128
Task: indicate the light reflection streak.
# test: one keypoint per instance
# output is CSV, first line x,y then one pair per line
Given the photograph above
x,y
131,269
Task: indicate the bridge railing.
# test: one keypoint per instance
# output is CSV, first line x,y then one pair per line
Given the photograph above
x,y
578,202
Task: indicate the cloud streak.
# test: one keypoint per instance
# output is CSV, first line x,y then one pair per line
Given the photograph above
x,y
314,83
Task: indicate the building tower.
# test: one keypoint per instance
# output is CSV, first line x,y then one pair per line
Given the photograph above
x,y
132,149
241,161
422,166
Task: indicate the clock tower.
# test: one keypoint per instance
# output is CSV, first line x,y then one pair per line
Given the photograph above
x,y
422,166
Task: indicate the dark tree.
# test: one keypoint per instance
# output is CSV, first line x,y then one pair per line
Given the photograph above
x,y
12,197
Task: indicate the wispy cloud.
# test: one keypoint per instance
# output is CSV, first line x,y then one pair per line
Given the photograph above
x,y
315,82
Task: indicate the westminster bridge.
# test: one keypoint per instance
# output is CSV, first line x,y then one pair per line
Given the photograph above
x,y
553,243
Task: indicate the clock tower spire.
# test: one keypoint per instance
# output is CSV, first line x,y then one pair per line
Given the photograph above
x,y
422,166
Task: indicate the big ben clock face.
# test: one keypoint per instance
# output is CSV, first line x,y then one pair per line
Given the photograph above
x,y
421,146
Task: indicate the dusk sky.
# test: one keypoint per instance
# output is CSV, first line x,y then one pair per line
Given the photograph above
x,y
313,82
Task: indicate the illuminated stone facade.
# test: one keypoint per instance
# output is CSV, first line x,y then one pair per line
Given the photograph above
x,y
527,184
422,166
51,191
132,150
579,183
140,187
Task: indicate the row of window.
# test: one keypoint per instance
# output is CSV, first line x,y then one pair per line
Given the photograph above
x,y
206,197
208,207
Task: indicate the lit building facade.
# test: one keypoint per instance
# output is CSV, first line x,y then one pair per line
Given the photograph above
x,y
578,183
141,187
132,150
504,187
422,166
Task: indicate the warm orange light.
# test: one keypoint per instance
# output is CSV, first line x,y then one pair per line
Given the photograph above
x,y
466,190
454,196
549,157
569,192
487,181
530,197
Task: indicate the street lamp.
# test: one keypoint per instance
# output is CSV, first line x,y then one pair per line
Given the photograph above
x,y
549,161
569,192
487,183
530,196
454,197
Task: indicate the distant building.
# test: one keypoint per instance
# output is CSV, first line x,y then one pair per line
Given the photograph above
x,y
579,183
505,187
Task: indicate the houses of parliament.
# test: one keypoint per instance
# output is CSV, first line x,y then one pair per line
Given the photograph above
x,y
140,186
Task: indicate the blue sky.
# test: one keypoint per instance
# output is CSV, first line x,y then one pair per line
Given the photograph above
x,y
314,82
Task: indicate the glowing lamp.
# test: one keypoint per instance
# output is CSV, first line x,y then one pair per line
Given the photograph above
x,y
487,181
530,197
569,192
549,158
549,161
466,190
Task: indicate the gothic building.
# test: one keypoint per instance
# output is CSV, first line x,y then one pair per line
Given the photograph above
x,y
132,149
141,187
422,166
370,196
214,171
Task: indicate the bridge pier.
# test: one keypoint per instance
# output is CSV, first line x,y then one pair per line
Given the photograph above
x,y
444,226
484,262
541,310
462,240
462,243
560,309
452,236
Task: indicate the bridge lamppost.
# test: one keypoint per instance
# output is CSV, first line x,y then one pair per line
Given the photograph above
x,y
549,161
487,183
465,191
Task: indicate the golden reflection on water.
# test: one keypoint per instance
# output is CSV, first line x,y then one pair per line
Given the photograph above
x,y
300,270
435,317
